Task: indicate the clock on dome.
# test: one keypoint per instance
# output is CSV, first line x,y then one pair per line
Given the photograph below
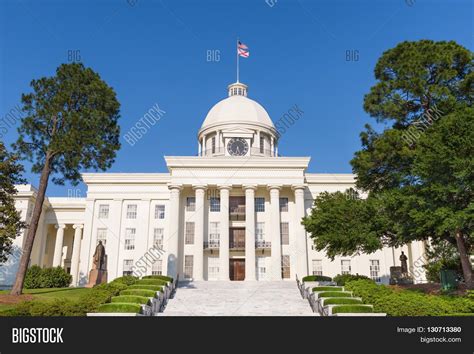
x,y
237,147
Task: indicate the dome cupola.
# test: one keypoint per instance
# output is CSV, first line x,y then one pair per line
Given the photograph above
x,y
237,126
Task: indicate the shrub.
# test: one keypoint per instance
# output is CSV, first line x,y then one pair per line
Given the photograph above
x,y
328,288
138,292
335,294
147,287
131,299
37,277
342,279
399,302
55,278
32,277
342,301
126,279
56,307
151,282
120,307
352,309
316,278
161,277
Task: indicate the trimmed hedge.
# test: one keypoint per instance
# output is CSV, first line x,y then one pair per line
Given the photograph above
x,y
160,277
146,287
316,278
151,282
335,294
352,309
126,279
342,301
328,288
37,277
395,301
131,299
138,292
120,307
342,279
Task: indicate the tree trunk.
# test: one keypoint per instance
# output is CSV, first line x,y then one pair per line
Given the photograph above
x,y
32,227
464,256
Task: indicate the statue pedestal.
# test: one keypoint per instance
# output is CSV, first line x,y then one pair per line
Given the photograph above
x,y
97,276
397,277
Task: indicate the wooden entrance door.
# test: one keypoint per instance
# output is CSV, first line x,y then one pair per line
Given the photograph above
x,y
237,269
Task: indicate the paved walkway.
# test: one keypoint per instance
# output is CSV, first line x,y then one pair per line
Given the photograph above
x,y
240,298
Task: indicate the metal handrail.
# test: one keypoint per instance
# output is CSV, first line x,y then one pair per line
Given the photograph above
x,y
236,244
211,244
263,244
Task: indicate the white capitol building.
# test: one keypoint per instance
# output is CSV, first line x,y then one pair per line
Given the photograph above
x,y
231,213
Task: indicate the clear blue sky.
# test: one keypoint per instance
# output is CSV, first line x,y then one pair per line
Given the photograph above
x,y
155,53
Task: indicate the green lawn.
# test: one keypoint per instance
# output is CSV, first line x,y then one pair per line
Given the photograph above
x,y
47,294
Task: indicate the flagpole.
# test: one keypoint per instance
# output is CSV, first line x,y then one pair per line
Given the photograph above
x,y
237,52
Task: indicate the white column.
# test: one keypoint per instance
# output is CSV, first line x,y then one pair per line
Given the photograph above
x,y
218,142
300,234
224,233
272,144
199,148
174,231
76,249
198,270
58,246
258,143
250,232
275,231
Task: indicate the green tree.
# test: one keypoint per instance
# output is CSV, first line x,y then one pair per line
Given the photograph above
x,y
10,218
71,123
420,188
426,185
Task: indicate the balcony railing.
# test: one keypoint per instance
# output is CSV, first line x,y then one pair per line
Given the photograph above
x,y
213,244
236,245
263,244
237,213
254,151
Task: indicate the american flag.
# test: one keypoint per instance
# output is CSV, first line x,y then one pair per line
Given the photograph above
x,y
242,50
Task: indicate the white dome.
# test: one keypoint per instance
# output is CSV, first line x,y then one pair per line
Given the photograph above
x,y
237,109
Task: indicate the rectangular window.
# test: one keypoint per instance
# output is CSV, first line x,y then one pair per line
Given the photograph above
x,y
261,268
317,267
375,270
284,233
189,233
213,142
130,239
285,266
103,211
188,267
157,267
131,211
283,204
127,267
213,268
190,204
102,236
259,204
215,204
345,266
262,144
260,231
158,238
159,211
214,234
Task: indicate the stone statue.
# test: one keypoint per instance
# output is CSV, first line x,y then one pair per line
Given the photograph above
x,y
98,273
99,257
403,262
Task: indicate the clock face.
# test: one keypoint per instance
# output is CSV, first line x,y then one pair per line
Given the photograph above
x,y
237,147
